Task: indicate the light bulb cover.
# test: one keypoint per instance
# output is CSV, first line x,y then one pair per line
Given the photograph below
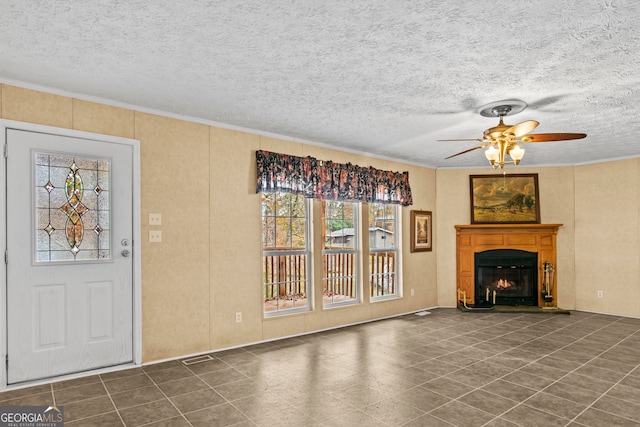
x,y
516,153
492,154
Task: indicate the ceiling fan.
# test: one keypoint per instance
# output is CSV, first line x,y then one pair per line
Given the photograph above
x,y
503,139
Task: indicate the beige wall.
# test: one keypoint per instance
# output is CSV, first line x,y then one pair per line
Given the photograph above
x,y
208,267
607,236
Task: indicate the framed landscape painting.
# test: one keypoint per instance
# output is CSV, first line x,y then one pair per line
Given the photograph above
x,y
505,199
421,240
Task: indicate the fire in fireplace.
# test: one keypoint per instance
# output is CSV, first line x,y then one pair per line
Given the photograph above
x,y
506,277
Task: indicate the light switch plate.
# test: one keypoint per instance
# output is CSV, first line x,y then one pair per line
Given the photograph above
x,y
155,236
155,219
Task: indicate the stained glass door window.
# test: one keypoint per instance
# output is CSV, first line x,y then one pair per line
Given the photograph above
x,y
72,208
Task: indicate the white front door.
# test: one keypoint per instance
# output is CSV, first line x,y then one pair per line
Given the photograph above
x,y
69,254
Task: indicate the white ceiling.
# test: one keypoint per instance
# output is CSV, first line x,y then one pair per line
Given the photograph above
x,y
382,77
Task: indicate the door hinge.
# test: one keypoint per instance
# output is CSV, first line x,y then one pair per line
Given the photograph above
x,y
7,361
6,151
6,257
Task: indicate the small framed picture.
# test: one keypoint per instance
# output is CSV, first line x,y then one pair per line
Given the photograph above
x,y
421,240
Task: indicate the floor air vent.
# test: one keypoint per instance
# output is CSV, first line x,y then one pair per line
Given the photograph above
x,y
198,359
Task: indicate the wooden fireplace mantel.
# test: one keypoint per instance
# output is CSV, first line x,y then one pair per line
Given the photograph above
x,y
540,238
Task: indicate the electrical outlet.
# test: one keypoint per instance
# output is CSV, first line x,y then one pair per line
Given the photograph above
x,y
238,316
155,219
600,294
413,292
155,236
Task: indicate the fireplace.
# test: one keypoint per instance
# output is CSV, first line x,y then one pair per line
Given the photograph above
x,y
534,239
506,277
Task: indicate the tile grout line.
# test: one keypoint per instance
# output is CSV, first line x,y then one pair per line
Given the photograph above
x,y
461,368
536,360
614,385
447,326
53,393
570,372
111,399
472,345
531,362
457,399
549,354
115,408
216,391
109,395
167,397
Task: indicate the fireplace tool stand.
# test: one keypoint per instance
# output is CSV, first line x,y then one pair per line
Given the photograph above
x,y
547,283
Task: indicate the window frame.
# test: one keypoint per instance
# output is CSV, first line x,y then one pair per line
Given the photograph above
x,y
396,250
308,282
355,252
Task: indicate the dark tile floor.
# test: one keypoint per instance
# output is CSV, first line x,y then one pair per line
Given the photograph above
x,y
446,368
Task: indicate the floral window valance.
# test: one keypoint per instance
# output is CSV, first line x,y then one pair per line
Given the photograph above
x,y
327,180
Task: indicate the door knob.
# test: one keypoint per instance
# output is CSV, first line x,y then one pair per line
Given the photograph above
x,y
126,253
124,242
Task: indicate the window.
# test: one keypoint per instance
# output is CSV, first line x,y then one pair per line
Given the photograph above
x,y
286,266
383,251
339,253
285,253
72,208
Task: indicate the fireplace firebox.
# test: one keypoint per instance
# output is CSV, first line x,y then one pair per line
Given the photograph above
x,y
506,277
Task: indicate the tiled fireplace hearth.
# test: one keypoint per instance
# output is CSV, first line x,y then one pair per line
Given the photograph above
x,y
502,264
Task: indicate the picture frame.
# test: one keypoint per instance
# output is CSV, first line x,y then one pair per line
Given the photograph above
x,y
421,231
505,199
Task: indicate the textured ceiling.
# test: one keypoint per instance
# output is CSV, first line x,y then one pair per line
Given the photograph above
x,y
388,78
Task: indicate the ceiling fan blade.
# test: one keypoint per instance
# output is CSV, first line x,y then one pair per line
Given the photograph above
x,y
466,151
546,137
522,128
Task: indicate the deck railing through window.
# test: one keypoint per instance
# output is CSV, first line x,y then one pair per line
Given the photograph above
x,y
339,277
382,269
284,279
